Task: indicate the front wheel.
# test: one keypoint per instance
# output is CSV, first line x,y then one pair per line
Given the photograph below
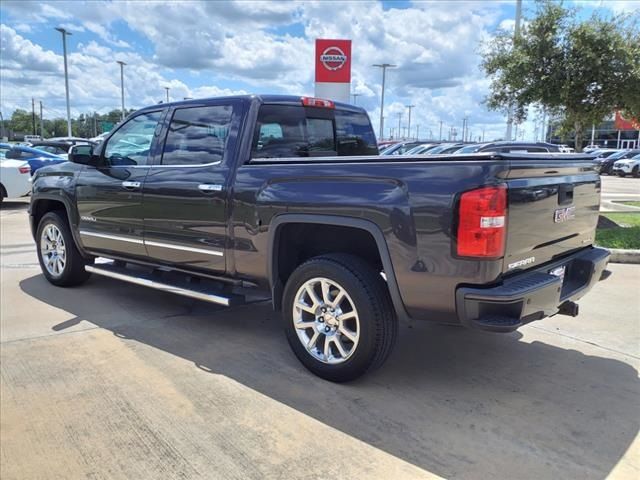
x,y
636,171
60,261
338,317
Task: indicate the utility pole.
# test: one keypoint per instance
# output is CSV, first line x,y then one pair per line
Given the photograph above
x,y
33,115
355,95
122,64
41,122
417,132
399,120
440,130
66,76
95,125
516,34
482,134
384,67
464,129
167,90
409,124
593,133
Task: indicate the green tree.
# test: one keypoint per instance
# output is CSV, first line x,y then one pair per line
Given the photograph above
x,y
22,122
580,71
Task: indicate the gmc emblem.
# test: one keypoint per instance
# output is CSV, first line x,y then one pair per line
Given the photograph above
x,y
564,214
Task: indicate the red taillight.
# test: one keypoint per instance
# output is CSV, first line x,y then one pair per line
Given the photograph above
x,y
25,169
317,102
482,222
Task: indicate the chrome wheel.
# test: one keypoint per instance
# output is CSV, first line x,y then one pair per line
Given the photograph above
x,y
326,320
53,250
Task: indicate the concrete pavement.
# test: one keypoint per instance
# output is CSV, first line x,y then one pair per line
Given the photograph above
x,y
615,190
111,380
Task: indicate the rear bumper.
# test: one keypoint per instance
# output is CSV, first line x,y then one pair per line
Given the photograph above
x,y
532,295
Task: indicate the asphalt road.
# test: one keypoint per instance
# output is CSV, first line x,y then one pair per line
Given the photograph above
x,y
114,381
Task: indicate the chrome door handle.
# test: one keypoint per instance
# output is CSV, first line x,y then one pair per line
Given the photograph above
x,y
131,185
209,187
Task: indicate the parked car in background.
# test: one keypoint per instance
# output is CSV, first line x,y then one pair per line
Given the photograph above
x,y
14,178
602,152
400,148
36,158
442,148
509,147
99,138
55,147
628,166
32,138
604,166
421,149
72,140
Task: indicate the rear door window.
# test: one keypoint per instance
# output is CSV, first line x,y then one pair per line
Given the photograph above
x,y
197,135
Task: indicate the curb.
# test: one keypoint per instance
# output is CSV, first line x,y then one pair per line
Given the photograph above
x,y
619,255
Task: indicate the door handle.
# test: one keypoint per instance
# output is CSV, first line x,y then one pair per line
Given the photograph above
x,y
130,185
209,187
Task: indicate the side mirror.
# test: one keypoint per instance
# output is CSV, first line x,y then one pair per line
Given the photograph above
x,y
83,154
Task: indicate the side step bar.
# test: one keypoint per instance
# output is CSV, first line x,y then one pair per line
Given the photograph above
x,y
148,280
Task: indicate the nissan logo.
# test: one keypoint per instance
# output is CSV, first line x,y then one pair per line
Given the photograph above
x,y
333,58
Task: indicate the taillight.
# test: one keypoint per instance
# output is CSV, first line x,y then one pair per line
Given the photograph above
x,y
25,169
482,222
317,102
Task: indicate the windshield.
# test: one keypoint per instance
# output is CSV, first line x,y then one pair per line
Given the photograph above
x,y
469,149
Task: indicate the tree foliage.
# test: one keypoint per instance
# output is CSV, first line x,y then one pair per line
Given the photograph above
x,y
580,71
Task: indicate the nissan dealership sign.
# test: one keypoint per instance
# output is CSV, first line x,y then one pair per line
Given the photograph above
x,y
333,69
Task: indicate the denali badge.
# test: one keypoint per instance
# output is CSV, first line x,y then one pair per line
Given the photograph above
x,y
87,218
564,214
522,263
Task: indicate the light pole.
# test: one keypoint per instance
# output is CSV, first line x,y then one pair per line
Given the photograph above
x,y
167,90
355,95
384,67
516,34
122,64
409,122
66,76
399,127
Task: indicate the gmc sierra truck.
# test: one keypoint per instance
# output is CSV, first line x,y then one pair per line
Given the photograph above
x,y
233,199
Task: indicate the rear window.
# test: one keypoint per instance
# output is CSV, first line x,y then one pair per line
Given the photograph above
x,y
291,131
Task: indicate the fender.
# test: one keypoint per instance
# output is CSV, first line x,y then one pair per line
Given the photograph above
x,y
370,227
72,216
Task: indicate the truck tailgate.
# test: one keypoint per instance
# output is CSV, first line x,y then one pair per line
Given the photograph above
x,y
553,208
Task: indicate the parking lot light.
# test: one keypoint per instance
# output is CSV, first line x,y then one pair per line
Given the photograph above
x,y
64,33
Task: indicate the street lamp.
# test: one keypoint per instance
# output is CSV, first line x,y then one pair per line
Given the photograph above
x,y
66,76
384,67
167,89
122,64
409,123
355,95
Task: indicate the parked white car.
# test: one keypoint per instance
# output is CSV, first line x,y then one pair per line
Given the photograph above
x,y
627,166
15,179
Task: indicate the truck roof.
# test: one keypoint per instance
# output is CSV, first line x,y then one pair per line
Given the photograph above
x,y
262,99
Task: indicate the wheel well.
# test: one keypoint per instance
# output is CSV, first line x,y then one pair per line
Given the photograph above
x,y
298,242
3,191
41,207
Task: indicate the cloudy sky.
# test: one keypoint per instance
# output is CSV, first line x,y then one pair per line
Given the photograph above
x,y
213,48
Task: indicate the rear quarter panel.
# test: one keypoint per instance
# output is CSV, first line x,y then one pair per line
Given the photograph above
x,y
411,203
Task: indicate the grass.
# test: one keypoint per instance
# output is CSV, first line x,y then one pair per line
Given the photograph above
x,y
626,235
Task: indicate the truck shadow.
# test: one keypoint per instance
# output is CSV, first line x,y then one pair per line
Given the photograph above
x,y
453,402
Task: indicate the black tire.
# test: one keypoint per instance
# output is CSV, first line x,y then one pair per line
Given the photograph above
x,y
378,326
621,174
73,272
636,171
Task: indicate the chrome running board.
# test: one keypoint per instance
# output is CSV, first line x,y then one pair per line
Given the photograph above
x,y
148,279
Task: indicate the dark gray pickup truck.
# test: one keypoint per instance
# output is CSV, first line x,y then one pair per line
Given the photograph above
x,y
229,200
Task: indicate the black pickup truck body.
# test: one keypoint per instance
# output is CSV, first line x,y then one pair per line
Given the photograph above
x,y
252,217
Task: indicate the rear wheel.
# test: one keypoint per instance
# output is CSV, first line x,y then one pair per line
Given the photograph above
x,y
60,261
636,171
338,317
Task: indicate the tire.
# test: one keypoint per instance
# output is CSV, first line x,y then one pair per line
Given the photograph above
x,y
621,174
365,314
636,171
70,270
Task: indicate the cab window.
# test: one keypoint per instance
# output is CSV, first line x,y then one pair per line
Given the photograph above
x,y
197,135
130,144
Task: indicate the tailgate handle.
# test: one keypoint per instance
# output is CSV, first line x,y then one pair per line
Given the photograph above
x,y
565,194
